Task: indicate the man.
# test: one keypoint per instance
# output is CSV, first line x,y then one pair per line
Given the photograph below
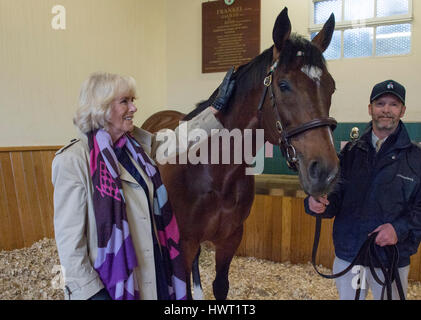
x,y
378,191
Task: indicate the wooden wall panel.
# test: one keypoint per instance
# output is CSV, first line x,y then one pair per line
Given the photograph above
x,y
415,268
5,230
280,238
13,229
277,229
26,195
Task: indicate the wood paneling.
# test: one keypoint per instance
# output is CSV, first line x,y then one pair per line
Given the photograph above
x,y
277,229
26,196
289,234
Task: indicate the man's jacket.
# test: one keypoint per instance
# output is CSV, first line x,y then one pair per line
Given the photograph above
x,y
374,189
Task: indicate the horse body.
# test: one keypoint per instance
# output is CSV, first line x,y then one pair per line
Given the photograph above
x,y
212,201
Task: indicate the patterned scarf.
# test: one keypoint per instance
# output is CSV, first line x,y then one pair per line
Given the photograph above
x,y
116,258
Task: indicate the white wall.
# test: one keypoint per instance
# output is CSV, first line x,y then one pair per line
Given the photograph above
x,y
41,69
354,77
158,43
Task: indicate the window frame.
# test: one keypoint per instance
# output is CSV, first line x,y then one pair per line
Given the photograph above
x,y
363,23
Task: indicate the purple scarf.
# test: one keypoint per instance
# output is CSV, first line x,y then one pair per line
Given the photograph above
x,y
116,259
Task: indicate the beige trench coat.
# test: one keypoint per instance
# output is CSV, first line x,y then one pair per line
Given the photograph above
x,y
74,217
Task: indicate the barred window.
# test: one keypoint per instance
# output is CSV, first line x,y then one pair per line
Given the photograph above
x,y
365,28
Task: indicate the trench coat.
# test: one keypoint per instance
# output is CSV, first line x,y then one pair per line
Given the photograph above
x,y
74,216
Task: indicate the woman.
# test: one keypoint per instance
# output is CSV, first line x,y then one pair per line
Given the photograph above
x,y
116,234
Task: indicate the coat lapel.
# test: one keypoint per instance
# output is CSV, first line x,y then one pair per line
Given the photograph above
x,y
125,175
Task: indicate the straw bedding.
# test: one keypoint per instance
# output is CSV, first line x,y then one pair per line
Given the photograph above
x,y
33,273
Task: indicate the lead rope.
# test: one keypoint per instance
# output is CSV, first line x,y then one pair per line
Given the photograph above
x,y
365,255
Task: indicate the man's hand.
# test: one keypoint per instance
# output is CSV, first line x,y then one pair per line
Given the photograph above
x,y
386,235
225,90
318,205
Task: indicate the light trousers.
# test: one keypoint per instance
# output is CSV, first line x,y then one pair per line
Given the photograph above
x,y
360,276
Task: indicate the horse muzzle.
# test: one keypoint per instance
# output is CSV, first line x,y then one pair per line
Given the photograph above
x,y
318,177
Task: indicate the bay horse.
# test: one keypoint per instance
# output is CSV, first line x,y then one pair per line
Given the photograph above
x,y
286,90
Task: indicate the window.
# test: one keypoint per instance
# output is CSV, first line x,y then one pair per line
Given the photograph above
x,y
364,28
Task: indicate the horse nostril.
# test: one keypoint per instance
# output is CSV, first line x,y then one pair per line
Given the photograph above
x,y
314,170
320,174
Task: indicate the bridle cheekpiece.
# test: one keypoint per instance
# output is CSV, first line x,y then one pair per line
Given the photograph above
x,y
285,134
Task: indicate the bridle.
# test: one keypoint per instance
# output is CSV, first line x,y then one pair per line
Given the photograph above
x,y
285,134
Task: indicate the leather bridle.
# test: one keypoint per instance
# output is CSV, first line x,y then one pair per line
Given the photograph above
x,y
285,134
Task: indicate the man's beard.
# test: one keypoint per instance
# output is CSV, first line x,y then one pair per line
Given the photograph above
x,y
391,125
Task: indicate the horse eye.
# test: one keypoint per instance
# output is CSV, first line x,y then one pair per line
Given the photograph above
x,y
284,86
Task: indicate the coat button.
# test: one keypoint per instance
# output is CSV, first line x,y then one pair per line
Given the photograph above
x,y
393,157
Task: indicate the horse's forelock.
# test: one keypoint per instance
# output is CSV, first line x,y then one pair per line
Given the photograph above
x,y
297,47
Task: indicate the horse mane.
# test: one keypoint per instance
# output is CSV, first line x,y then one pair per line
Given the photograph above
x,y
258,73
258,67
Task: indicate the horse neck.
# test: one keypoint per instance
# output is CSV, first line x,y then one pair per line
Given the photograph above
x,y
243,115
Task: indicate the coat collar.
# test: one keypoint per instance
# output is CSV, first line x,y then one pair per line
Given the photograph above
x,y
399,139
124,174
142,136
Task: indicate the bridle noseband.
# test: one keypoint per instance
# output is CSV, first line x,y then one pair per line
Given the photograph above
x,y
285,145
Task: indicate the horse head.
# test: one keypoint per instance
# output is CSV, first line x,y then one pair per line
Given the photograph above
x,y
295,113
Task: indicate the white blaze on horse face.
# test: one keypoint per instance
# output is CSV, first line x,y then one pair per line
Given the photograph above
x,y
313,72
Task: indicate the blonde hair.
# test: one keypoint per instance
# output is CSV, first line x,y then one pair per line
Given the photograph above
x,y
96,96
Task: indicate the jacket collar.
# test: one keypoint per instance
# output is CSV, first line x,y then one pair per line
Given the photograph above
x,y
124,174
399,139
142,136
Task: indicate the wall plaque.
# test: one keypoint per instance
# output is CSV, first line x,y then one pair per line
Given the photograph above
x,y
230,33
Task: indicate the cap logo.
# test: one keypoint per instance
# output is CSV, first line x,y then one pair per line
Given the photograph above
x,y
390,86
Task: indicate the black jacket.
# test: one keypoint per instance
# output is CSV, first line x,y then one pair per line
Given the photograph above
x,y
375,189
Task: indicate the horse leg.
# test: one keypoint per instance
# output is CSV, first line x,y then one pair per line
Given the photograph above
x,y
190,249
197,285
224,252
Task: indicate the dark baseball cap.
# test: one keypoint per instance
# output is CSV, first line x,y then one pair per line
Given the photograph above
x,y
388,86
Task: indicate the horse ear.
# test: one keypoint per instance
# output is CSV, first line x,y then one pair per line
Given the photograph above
x,y
282,29
323,38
